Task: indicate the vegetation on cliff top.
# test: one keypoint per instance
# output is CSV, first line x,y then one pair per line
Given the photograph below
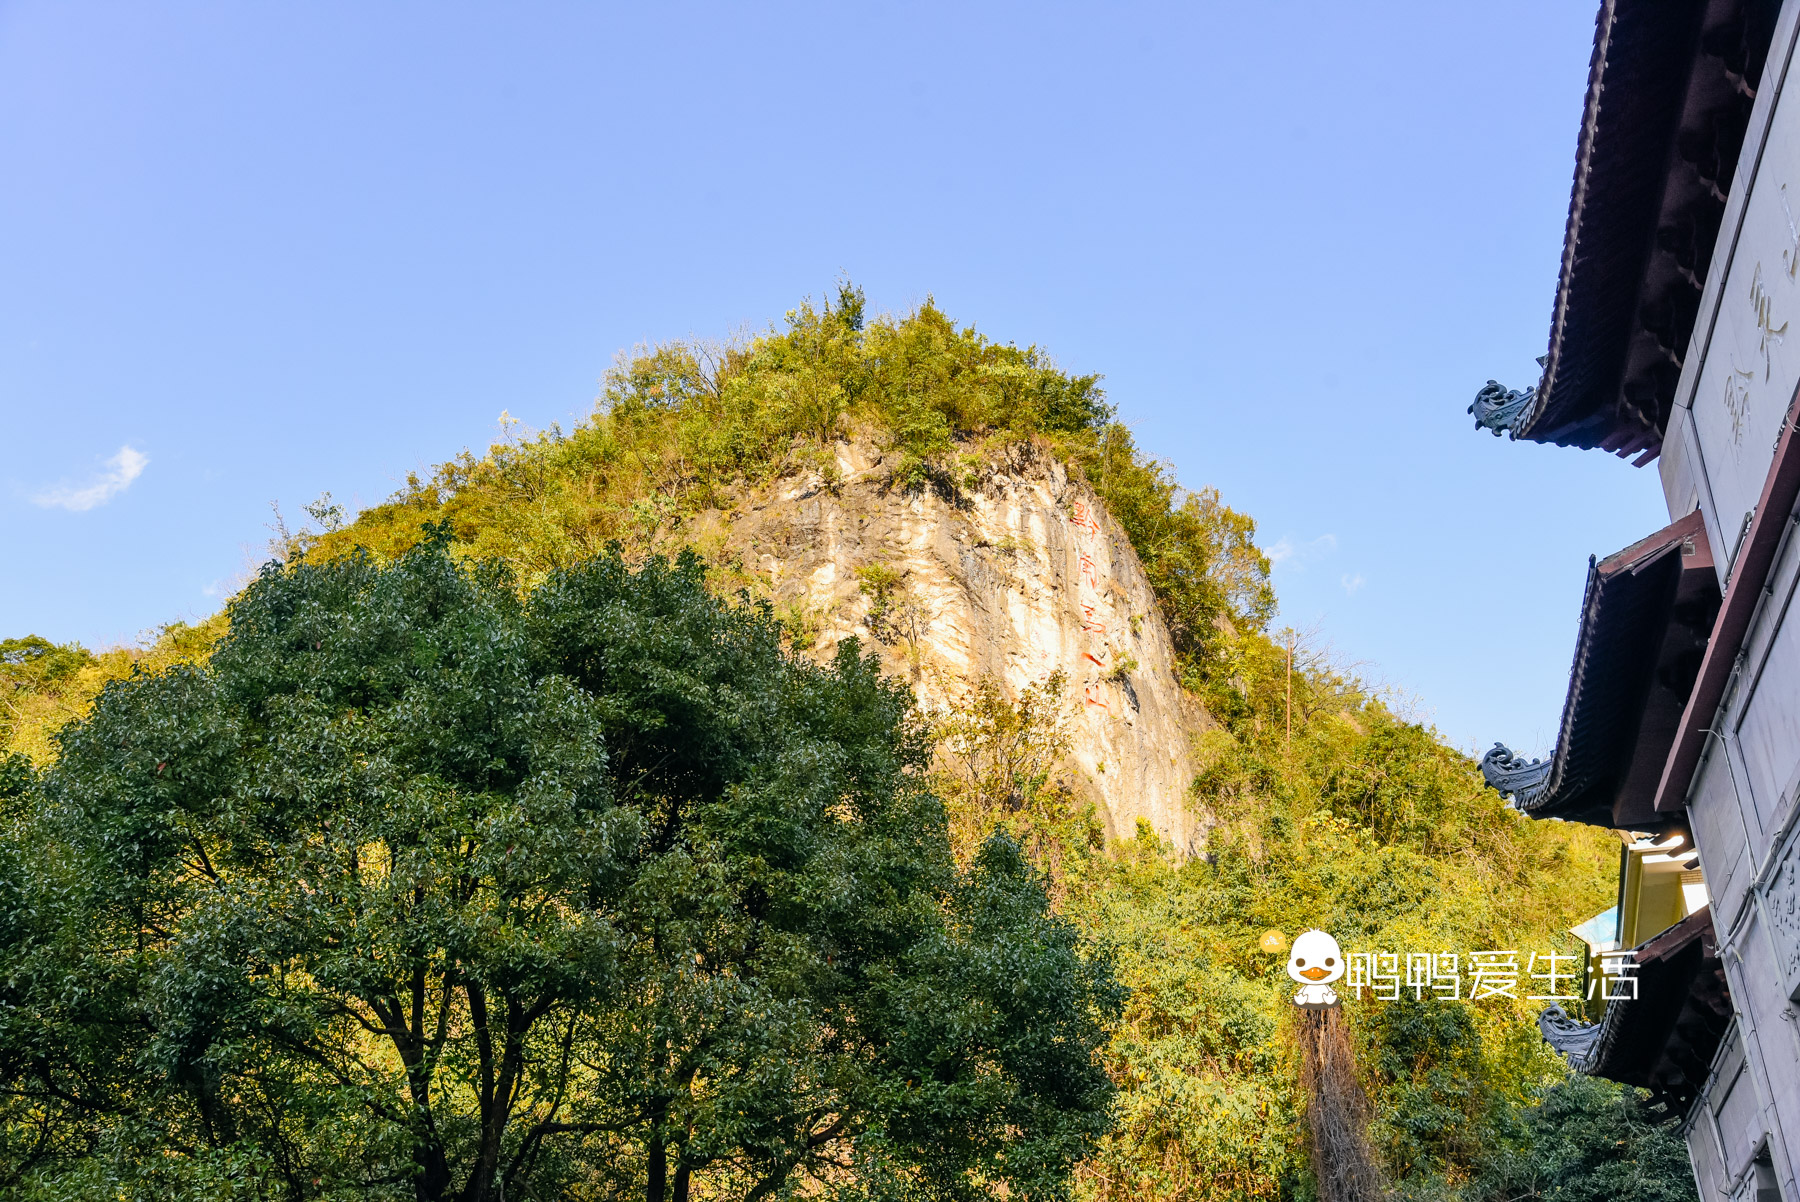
x,y
682,428
1361,822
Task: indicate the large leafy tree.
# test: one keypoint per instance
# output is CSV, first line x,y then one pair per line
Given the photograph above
x,y
423,886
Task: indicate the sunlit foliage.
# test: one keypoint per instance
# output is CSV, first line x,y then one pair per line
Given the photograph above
x,y
44,685
1363,824
680,426
423,887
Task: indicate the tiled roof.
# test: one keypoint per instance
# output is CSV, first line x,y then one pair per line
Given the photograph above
x,y
1664,1038
1644,620
1670,88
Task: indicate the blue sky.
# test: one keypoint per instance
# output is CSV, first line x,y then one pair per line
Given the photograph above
x,y
251,253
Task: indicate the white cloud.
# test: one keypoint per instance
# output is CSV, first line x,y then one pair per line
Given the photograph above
x,y
1298,555
125,467
1351,582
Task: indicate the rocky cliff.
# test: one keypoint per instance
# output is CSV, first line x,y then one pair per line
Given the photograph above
x,y
1022,574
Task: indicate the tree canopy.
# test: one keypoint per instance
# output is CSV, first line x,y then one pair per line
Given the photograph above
x,y
428,886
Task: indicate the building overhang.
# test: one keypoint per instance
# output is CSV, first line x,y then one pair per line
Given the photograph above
x,y
1663,1039
1670,88
1645,616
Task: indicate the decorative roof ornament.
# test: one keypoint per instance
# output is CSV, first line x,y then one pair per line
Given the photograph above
x,y
1568,1035
1496,408
1515,776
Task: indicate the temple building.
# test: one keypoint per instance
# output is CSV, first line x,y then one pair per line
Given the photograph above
x,y
1681,728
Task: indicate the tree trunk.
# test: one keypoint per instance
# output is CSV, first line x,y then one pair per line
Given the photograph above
x,y
659,1171
681,1182
433,1181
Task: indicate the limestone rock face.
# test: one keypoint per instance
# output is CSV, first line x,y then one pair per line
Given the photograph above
x,y
1024,574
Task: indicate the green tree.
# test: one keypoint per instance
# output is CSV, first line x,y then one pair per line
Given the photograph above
x,y
1000,767
1588,1140
427,886
34,670
1437,1105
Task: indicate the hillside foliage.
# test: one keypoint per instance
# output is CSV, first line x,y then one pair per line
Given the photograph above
x,y
1330,808
1364,825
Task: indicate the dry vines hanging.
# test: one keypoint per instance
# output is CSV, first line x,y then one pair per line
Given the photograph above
x,y
1336,1110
